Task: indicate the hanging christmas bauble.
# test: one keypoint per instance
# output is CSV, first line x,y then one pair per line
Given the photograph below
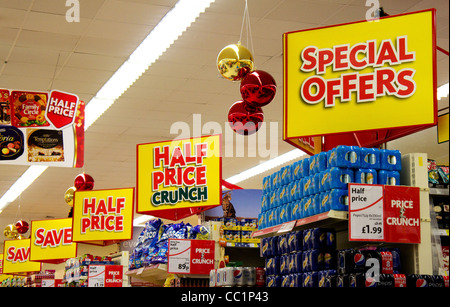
x,y
84,182
22,226
245,119
258,88
234,62
68,196
10,232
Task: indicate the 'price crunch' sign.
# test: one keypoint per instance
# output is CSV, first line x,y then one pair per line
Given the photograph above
x,y
179,178
384,213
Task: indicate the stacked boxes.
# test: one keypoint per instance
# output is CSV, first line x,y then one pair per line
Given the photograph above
x,y
238,232
305,258
319,183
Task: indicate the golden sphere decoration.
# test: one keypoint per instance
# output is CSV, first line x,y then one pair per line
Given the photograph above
x,y
234,62
10,232
68,196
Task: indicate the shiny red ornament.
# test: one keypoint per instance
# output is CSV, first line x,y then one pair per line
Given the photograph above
x,y
84,182
245,119
258,88
22,226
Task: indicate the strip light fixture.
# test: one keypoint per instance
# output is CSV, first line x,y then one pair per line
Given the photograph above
x,y
171,26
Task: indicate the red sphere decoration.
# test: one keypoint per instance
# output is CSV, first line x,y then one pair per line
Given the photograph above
x,y
258,88
84,182
245,119
22,226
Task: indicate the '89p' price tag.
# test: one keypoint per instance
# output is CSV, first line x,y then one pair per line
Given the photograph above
x,y
366,212
179,256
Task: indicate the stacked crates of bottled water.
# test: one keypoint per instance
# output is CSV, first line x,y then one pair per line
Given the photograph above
x,y
319,183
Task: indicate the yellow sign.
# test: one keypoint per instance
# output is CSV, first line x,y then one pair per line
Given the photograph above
x,y
51,241
103,216
179,178
442,127
16,257
360,76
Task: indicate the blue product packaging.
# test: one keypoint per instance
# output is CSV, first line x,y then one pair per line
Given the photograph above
x,y
266,185
261,221
282,244
295,170
305,167
273,281
317,202
272,197
283,195
337,178
299,189
338,199
265,248
307,203
321,161
282,214
295,280
273,245
284,264
327,279
264,202
344,156
276,265
370,158
273,181
388,177
329,260
316,186
390,160
319,238
295,243
270,218
290,192
295,210
312,165
324,204
367,176
310,279
289,216
307,185
285,281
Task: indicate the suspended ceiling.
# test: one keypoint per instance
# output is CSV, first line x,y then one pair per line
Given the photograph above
x,y
40,50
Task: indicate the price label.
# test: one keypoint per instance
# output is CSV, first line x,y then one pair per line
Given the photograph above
x,y
179,256
366,212
96,276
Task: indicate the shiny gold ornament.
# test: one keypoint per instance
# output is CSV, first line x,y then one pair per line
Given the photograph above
x,y
234,62
10,232
68,196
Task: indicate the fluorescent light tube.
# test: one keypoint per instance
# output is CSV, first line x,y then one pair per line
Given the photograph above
x,y
265,166
27,178
442,91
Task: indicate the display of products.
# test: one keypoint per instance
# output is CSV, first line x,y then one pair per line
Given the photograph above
x,y
237,277
438,175
76,269
238,232
319,183
152,244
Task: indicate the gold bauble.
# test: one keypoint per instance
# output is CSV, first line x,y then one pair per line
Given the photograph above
x,y
234,62
10,232
68,196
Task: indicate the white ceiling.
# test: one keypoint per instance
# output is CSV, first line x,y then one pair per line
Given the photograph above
x,y
39,50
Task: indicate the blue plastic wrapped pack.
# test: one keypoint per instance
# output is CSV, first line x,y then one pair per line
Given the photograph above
x,y
337,178
390,160
367,176
146,245
388,177
370,158
344,156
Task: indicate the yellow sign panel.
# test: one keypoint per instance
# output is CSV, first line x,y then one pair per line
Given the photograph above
x,y
443,128
16,257
51,241
360,76
175,176
103,215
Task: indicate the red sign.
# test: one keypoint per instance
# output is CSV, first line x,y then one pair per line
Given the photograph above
x,y
402,214
384,213
105,276
190,256
61,109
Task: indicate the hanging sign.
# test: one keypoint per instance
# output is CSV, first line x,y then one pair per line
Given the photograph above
x,y
16,257
51,241
384,213
103,217
190,256
41,128
353,82
443,128
61,109
179,178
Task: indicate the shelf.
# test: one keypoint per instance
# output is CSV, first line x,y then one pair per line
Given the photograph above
x,y
155,274
439,191
332,218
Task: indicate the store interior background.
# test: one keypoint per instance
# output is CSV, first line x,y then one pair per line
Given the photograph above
x,y
40,50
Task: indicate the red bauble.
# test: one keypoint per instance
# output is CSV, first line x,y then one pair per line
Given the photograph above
x,y
245,119
22,226
258,88
84,182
